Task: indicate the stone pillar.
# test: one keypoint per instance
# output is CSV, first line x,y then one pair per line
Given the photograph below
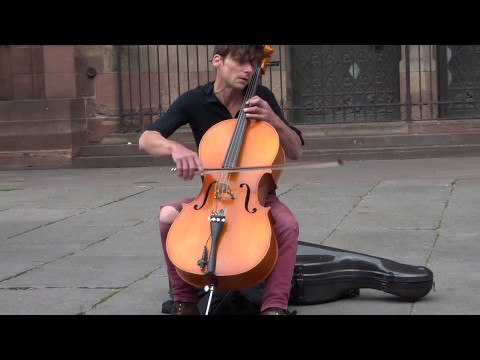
x,y
423,84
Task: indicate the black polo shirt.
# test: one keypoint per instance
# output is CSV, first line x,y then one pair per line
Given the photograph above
x,y
201,109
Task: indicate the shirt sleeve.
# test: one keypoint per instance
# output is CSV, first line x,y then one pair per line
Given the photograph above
x,y
267,95
299,133
175,117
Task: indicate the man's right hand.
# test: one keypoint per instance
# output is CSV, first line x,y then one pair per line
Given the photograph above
x,y
186,161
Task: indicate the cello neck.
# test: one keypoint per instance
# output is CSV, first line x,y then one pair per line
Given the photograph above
x,y
231,156
233,152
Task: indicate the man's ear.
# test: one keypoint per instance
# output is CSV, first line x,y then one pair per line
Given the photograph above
x,y
216,60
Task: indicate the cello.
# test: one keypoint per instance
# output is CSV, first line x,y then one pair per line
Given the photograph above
x,y
224,237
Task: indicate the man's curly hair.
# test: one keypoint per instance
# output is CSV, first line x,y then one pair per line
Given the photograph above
x,y
242,53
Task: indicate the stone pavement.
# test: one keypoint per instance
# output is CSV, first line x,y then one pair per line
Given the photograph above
x,y
85,241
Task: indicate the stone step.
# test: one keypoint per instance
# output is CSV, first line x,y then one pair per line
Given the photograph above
x,y
385,153
182,135
116,150
392,140
390,153
110,150
120,161
121,150
126,144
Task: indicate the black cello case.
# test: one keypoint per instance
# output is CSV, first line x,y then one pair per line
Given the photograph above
x,y
323,274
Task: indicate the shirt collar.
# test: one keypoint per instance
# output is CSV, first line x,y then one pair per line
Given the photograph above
x,y
208,89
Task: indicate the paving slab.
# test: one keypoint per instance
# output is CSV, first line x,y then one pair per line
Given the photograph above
x,y
86,241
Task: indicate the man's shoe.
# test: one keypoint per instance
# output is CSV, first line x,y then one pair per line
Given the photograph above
x,y
184,308
273,311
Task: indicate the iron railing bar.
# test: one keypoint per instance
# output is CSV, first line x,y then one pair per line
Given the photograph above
x,y
121,113
420,73
159,82
198,65
130,84
188,68
430,68
280,47
168,76
208,61
140,108
178,73
149,88
408,96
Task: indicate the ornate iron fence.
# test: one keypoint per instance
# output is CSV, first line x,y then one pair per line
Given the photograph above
x,y
315,83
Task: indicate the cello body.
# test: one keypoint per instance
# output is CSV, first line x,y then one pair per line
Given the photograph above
x,y
242,251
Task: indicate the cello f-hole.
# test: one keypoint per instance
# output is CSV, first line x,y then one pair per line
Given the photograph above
x,y
247,199
196,207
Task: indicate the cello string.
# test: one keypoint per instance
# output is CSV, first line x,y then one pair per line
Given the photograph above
x,y
239,130
233,151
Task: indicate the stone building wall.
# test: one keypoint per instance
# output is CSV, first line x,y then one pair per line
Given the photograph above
x,y
42,116
54,99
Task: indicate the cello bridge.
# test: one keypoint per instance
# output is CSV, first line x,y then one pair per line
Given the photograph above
x,y
223,188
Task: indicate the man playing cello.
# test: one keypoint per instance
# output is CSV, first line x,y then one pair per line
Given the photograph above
x,y
202,108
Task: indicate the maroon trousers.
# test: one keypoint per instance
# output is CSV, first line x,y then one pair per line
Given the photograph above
x,y
277,288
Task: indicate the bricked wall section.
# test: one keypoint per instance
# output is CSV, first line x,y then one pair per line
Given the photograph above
x,y
42,106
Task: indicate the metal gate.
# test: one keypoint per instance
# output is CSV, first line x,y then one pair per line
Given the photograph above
x,y
345,83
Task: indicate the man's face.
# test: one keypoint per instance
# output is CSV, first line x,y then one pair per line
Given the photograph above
x,y
235,73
